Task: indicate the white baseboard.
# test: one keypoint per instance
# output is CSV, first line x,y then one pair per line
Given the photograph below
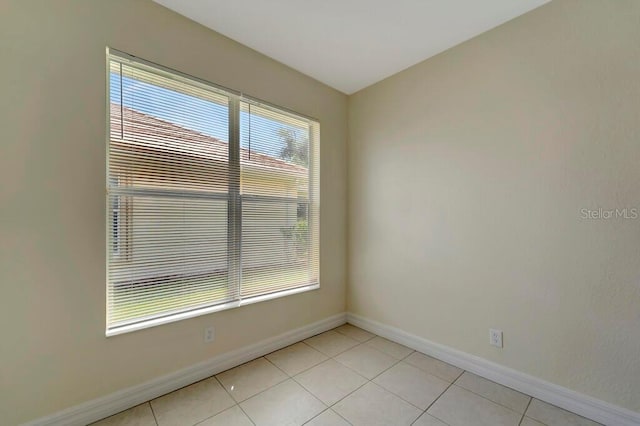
x,y
108,405
578,403
573,401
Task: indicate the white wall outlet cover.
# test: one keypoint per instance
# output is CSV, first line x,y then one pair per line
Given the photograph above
x,y
495,337
209,334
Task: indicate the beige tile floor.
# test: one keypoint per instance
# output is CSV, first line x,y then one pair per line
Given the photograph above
x,y
346,376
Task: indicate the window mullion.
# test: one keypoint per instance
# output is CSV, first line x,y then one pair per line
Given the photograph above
x,y
234,218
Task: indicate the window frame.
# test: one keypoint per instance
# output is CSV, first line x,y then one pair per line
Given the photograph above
x,y
123,228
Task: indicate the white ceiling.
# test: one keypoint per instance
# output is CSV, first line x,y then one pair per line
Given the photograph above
x,y
350,44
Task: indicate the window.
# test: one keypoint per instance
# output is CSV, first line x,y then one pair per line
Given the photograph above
x,y
212,197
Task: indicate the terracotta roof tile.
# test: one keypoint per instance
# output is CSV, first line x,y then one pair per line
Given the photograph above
x,y
146,131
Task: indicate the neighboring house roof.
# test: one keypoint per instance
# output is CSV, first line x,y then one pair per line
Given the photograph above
x,y
149,132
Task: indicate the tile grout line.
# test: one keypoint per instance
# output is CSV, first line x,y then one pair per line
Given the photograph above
x,y
306,369
333,359
357,340
324,411
331,405
316,416
525,411
289,377
350,393
367,380
481,396
495,402
153,413
439,396
234,400
432,375
328,407
286,374
410,403
340,353
443,392
397,361
340,415
279,369
258,393
430,415
300,384
522,415
246,414
373,335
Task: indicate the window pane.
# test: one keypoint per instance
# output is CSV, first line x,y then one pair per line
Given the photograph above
x,y
274,167
274,154
168,196
275,247
176,258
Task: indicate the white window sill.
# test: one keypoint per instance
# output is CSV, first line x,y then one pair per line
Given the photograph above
x,y
208,310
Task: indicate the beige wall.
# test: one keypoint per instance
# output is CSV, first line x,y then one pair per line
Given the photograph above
x,y
53,353
467,176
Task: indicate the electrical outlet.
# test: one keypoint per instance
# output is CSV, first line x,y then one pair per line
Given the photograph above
x,y
209,334
495,337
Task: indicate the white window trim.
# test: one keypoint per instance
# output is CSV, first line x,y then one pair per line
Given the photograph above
x,y
209,310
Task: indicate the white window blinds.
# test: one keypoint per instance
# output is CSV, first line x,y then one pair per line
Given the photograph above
x,y
212,198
